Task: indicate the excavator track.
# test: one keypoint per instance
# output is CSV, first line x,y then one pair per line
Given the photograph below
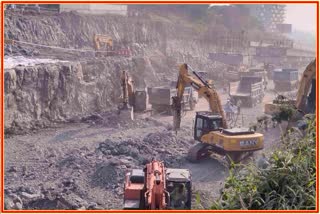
x,y
198,152
201,151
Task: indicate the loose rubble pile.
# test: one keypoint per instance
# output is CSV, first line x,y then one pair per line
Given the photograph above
x,y
92,178
154,145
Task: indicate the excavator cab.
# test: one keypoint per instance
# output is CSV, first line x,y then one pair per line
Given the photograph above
x,y
206,122
176,180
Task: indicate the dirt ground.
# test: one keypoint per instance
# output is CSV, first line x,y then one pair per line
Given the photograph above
x,y
81,165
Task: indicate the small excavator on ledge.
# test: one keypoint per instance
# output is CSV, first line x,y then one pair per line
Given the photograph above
x,y
155,188
132,99
105,46
210,128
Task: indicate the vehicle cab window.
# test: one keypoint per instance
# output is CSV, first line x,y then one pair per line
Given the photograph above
x,y
205,124
178,196
215,124
199,126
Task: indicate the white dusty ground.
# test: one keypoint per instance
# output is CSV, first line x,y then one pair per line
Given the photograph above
x,y
13,61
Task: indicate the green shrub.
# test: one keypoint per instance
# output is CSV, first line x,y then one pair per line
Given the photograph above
x,y
285,114
288,182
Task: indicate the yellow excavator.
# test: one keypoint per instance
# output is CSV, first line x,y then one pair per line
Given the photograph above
x,y
126,106
105,46
211,129
103,41
127,90
132,99
306,95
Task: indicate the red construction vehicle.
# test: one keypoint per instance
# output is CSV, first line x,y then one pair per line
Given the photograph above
x,y
152,188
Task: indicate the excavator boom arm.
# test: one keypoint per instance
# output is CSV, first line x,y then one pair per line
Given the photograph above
x,y
156,185
305,83
128,90
202,88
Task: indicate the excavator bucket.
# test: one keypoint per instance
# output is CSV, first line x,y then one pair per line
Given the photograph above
x,y
176,111
176,100
126,113
125,110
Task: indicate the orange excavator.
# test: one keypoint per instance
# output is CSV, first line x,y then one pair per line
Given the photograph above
x,y
211,128
153,187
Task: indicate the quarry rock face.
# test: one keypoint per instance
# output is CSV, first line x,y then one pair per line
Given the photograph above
x,y
77,30
41,92
38,94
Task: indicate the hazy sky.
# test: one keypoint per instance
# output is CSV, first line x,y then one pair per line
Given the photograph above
x,y
302,16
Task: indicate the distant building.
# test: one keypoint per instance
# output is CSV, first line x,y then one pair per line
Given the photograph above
x,y
118,9
284,28
270,15
229,58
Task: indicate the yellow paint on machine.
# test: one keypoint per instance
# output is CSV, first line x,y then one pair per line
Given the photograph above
x,y
251,142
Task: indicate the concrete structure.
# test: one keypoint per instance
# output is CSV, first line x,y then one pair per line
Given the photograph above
x,y
277,51
284,28
119,9
285,79
229,58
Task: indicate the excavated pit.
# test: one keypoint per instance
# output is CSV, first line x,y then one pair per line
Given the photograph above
x,y
65,146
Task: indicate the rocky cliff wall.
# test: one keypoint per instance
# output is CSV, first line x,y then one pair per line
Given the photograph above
x,y
77,30
36,96
40,94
